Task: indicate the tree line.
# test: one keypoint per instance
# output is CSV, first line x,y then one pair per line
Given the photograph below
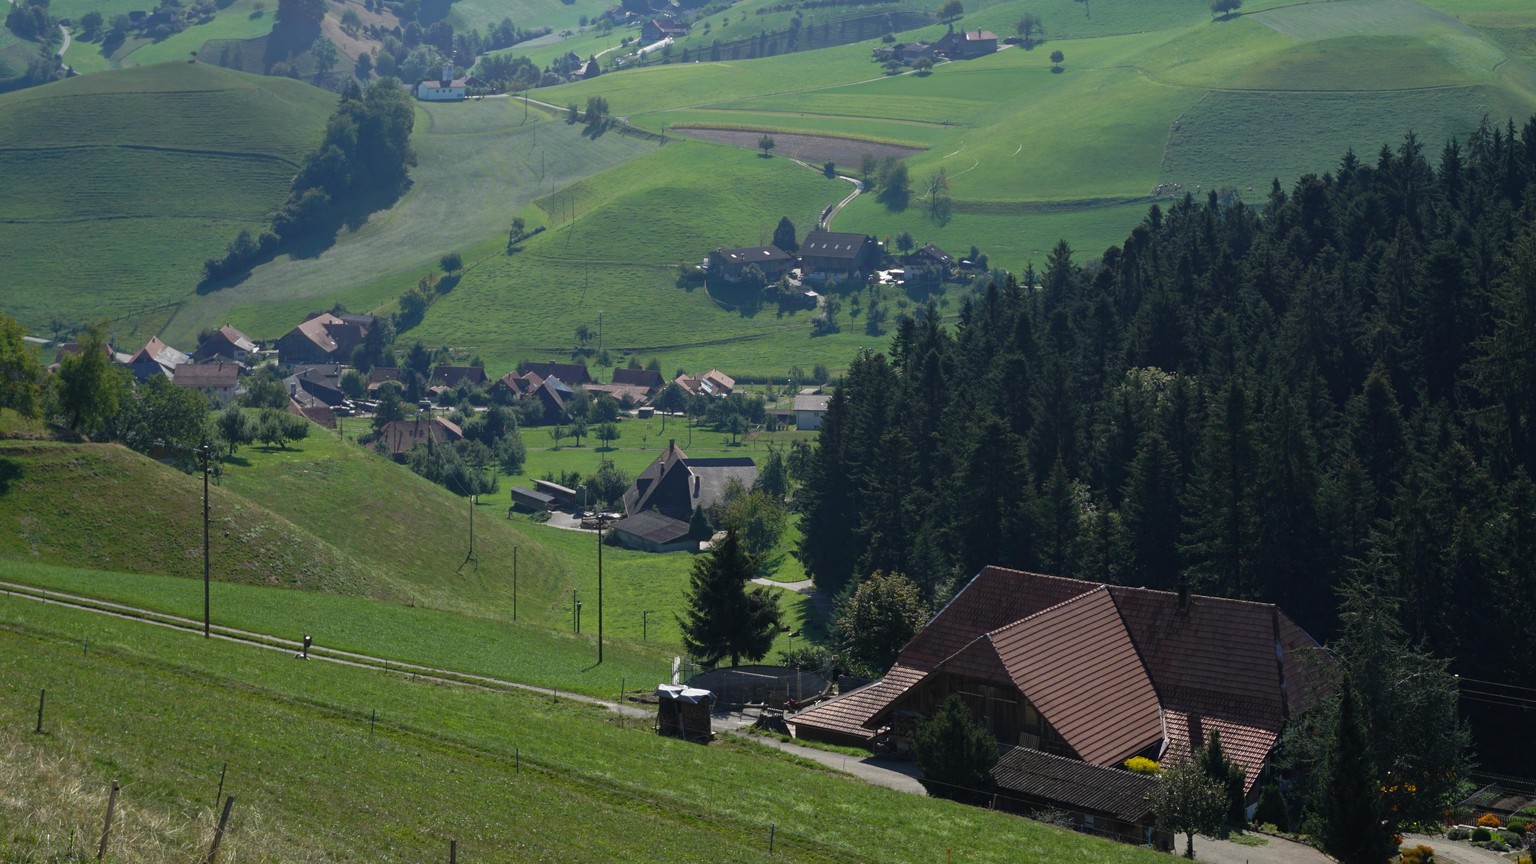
x,y
1268,402
362,164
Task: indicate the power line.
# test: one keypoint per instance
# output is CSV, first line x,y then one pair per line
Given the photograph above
x,y
1497,683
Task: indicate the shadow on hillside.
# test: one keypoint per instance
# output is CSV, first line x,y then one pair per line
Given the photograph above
x,y
351,216
9,470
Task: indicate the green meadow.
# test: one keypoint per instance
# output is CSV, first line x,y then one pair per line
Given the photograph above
x,y
115,187
333,763
479,164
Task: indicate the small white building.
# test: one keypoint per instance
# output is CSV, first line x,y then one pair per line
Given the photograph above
x,y
809,409
444,88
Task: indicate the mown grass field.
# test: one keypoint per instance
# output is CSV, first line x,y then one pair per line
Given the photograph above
x,y
116,187
509,777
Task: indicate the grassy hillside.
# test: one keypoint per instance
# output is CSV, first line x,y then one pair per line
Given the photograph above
x,y
371,530
509,777
479,164
613,248
102,506
115,187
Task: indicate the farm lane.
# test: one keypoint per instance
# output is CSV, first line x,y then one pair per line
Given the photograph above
x,y
889,775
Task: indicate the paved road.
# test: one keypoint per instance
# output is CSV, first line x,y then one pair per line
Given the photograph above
x,y
1275,851
1453,852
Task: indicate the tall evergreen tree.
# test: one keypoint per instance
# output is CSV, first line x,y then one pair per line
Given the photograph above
x,y
723,619
1349,809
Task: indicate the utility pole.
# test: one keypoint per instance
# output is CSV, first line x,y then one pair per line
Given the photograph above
x,y
599,577
204,452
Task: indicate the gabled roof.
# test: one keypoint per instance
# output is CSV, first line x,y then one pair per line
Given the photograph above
x,y
400,436
452,375
1161,667
815,403
675,485
653,526
225,340
1076,784
834,244
980,36
206,376
754,255
1051,654
935,253
155,351
647,378
572,373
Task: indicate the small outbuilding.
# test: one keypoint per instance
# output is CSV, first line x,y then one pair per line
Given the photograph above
x,y
527,499
1099,800
683,712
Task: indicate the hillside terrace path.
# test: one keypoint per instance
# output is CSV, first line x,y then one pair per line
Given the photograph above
x,y
891,775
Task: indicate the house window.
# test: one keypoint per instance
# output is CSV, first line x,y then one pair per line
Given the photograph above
x,y
1031,718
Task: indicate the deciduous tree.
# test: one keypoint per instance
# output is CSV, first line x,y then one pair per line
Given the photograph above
x,y
881,615
21,374
1188,802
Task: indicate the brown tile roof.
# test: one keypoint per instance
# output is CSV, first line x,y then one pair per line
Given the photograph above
x,y
1052,654
1092,788
199,376
1158,672
401,435
995,598
635,392
753,254
574,374
452,375
316,331
647,378
845,714
834,244
1246,745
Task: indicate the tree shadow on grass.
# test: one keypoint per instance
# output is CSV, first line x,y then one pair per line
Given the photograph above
x,y
9,470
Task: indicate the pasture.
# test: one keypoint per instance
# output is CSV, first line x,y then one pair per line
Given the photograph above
x,y
506,775
116,187
479,164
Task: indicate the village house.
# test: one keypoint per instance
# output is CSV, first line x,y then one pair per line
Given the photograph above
x,y
553,394
443,88
514,386
810,408
323,338
219,381
155,358
399,436
658,29
661,502
649,379
1094,673
967,44
731,264
450,376
379,375
574,374
931,254
304,405
322,382
714,384
226,342
834,254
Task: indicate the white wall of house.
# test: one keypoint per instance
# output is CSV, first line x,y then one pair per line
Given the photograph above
x,y
433,91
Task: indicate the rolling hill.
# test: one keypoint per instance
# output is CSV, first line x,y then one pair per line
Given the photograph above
x,y
115,187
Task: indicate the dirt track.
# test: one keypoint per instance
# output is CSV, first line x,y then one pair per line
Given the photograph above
x,y
812,148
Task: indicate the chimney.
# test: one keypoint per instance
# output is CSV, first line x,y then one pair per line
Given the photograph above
x,y
1183,596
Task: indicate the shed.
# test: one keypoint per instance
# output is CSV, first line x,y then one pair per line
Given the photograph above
x,y
527,499
683,712
559,494
1100,800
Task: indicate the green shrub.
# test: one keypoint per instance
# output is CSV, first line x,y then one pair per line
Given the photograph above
x,y
1458,833
1271,808
1481,835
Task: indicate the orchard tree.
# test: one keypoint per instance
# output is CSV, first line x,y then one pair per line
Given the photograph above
x,y
1030,29
88,388
1056,58
1187,801
1223,8
765,144
723,619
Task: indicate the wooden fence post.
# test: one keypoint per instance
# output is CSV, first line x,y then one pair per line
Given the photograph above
x,y
42,697
219,795
218,833
106,830
453,852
